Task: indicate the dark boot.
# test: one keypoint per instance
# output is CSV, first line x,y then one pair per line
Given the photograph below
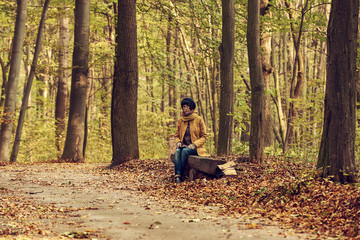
x,y
177,179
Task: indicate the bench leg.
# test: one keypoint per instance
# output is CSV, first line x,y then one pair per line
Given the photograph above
x,y
192,174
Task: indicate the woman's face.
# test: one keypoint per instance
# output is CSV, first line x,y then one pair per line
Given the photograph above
x,y
186,109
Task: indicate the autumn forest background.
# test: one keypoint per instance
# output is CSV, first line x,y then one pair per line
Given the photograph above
x,y
178,56
276,82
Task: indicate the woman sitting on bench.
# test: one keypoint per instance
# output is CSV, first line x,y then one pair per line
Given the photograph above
x,y
190,137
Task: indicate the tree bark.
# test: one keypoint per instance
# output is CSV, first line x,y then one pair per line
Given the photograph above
x,y
337,150
30,80
267,69
256,144
170,72
277,99
125,88
10,99
176,65
62,85
73,149
227,51
214,83
4,69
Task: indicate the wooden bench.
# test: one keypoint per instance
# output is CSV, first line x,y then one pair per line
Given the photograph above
x,y
201,164
198,163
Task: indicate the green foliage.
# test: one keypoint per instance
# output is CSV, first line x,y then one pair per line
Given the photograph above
x,y
41,130
278,22
242,123
99,146
357,137
153,133
36,133
7,16
102,23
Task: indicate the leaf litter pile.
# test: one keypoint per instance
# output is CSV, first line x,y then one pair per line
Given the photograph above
x,y
283,191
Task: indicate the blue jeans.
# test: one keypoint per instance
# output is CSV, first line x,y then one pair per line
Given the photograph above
x,y
181,158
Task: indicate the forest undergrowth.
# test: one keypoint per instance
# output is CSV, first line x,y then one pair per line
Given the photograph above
x,y
287,192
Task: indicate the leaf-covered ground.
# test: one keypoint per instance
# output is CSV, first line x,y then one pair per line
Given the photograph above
x,y
21,216
283,191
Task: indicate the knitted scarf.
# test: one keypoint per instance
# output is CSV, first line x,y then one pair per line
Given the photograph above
x,y
189,117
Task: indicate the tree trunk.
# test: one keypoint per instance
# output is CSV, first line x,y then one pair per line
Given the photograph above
x,y
10,100
4,69
245,129
63,74
337,150
256,144
297,75
214,83
226,48
27,91
284,67
170,72
197,74
267,69
176,65
73,149
195,71
277,98
312,110
105,94
125,88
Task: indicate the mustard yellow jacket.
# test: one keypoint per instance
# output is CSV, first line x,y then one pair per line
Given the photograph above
x,y
197,132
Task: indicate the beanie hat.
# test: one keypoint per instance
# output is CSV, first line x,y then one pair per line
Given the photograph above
x,y
189,102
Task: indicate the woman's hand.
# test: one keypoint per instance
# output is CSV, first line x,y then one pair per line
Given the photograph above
x,y
192,146
178,144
